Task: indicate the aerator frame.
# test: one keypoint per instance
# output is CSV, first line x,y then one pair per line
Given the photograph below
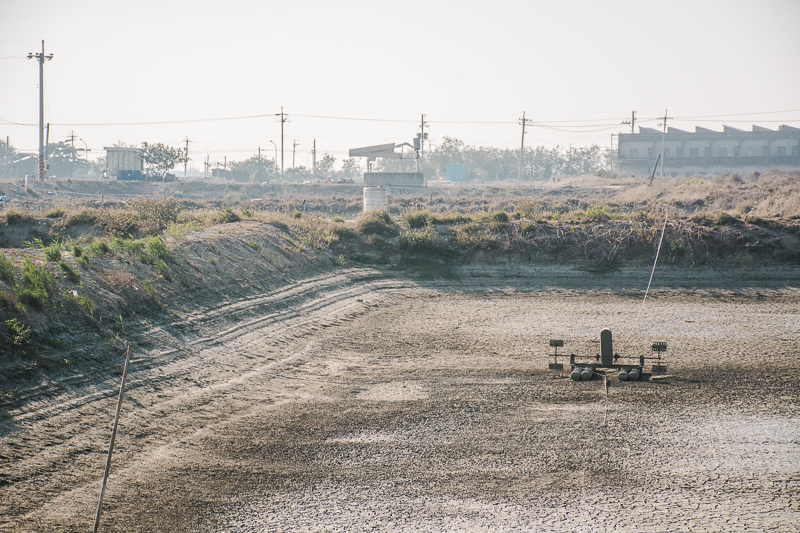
x,y
585,367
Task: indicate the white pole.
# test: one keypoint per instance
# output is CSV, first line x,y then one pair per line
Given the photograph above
x,y
113,436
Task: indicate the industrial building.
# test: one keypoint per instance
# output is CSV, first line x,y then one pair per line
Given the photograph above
x,y
706,151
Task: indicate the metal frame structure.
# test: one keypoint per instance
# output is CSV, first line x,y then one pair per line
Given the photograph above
x,y
629,368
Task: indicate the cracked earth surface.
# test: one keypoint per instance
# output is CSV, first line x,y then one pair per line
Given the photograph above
x,y
357,402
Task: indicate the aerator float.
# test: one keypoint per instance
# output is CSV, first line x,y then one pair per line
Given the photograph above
x,y
584,368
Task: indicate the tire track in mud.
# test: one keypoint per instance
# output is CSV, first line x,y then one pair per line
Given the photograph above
x,y
211,354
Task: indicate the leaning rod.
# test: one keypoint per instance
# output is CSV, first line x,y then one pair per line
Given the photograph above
x,y
113,436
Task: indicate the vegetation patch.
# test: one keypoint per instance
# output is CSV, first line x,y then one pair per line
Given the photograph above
x,y
71,275
18,340
315,234
52,253
15,217
419,240
75,218
226,215
417,219
6,268
726,219
37,286
155,214
377,223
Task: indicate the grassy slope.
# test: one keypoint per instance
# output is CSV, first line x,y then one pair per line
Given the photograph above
x,y
599,226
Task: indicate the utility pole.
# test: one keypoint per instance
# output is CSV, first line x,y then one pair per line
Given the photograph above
x,y
283,119
419,144
41,58
47,148
523,122
632,122
663,138
259,152
72,140
294,150
314,158
422,136
186,156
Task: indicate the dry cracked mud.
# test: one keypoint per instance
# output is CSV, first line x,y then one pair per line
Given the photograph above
x,y
357,401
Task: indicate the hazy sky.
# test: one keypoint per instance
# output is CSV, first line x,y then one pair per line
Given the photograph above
x,y
157,70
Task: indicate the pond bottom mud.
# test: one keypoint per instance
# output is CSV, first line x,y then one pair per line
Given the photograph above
x,y
403,406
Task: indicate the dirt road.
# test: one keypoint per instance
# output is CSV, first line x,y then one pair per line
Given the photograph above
x,y
356,402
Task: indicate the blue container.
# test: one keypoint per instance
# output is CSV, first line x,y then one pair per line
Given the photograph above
x,y
457,171
129,175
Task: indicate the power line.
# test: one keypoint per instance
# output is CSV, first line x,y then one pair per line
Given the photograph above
x,y
543,124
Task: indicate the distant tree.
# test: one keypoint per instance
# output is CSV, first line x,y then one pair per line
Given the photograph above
x,y
64,161
351,168
96,167
542,163
325,166
297,174
487,163
7,157
158,158
257,169
580,161
450,150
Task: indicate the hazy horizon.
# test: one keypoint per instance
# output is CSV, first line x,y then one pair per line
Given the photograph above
x,y
354,73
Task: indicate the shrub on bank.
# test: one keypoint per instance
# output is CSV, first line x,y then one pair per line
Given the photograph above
x,y
6,268
15,217
226,215
377,223
416,219
38,286
155,214
419,240
529,208
726,219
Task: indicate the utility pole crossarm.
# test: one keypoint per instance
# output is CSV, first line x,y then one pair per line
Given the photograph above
x,y
632,121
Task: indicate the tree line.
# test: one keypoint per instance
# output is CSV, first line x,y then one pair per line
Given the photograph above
x,y
485,163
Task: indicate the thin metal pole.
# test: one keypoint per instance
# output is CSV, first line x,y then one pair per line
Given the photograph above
x,y
113,436
605,414
42,170
663,138
521,148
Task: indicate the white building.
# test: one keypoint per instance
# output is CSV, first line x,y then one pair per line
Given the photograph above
x,y
125,159
707,151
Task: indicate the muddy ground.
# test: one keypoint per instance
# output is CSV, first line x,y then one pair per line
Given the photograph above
x,y
358,400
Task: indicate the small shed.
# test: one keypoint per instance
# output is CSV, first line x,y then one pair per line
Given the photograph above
x,y
126,160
